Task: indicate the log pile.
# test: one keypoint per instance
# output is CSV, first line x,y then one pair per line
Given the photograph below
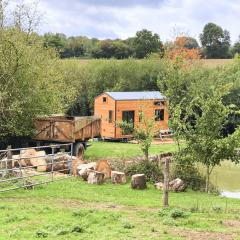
x,y
93,173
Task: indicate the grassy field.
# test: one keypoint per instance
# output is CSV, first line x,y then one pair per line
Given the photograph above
x,y
121,150
72,209
206,62
216,62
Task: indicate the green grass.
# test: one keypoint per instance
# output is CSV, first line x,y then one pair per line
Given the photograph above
x,y
72,209
121,150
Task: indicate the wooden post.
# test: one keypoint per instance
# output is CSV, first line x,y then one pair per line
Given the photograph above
x,y
166,182
9,158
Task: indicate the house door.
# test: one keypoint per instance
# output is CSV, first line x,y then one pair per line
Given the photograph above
x,y
128,116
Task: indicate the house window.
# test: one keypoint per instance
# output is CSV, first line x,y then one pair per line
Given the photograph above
x,y
128,116
159,103
104,99
110,116
159,115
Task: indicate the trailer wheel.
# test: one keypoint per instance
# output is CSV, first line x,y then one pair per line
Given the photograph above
x,y
78,150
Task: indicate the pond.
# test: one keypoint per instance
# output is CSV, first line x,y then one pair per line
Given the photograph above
x,y
227,179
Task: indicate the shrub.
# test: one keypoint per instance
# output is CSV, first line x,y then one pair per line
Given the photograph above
x,y
81,213
185,169
151,170
128,225
169,221
78,229
41,234
62,232
164,212
178,213
173,213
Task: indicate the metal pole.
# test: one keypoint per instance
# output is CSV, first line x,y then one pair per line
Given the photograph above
x,y
52,161
71,154
166,182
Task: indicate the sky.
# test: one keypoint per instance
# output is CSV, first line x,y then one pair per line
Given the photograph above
x,y
122,18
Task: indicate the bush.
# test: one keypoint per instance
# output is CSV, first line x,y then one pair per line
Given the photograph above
x,y
128,225
151,170
41,234
185,169
78,229
178,213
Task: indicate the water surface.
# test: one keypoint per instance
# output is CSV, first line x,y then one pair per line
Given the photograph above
x,y
227,179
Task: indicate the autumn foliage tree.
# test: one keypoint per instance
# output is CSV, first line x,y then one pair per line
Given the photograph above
x,y
184,47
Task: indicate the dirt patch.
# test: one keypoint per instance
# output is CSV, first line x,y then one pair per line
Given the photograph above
x,y
195,235
158,141
232,223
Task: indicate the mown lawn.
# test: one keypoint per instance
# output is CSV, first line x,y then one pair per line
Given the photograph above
x,y
121,150
72,209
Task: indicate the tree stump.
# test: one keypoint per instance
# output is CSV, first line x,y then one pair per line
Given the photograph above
x,y
95,177
138,181
118,177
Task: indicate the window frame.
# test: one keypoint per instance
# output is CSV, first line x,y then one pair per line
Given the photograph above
x,y
110,116
160,116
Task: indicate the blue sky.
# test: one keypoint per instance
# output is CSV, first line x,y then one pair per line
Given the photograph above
x,y
122,18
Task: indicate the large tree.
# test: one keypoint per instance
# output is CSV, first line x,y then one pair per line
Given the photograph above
x,y
31,82
111,49
145,43
57,41
236,47
201,107
202,126
215,41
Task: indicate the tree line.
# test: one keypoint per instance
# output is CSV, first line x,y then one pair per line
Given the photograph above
x,y
215,43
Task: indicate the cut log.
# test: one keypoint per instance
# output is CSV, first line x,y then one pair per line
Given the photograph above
x,y
177,185
95,177
26,155
40,162
85,169
118,177
159,185
104,167
61,163
34,158
75,163
138,181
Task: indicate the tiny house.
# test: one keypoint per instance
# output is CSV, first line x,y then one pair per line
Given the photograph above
x,y
116,107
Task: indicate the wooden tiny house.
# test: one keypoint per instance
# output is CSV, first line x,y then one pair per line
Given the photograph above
x,y
116,107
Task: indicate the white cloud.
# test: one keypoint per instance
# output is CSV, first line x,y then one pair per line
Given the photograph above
x,y
108,19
